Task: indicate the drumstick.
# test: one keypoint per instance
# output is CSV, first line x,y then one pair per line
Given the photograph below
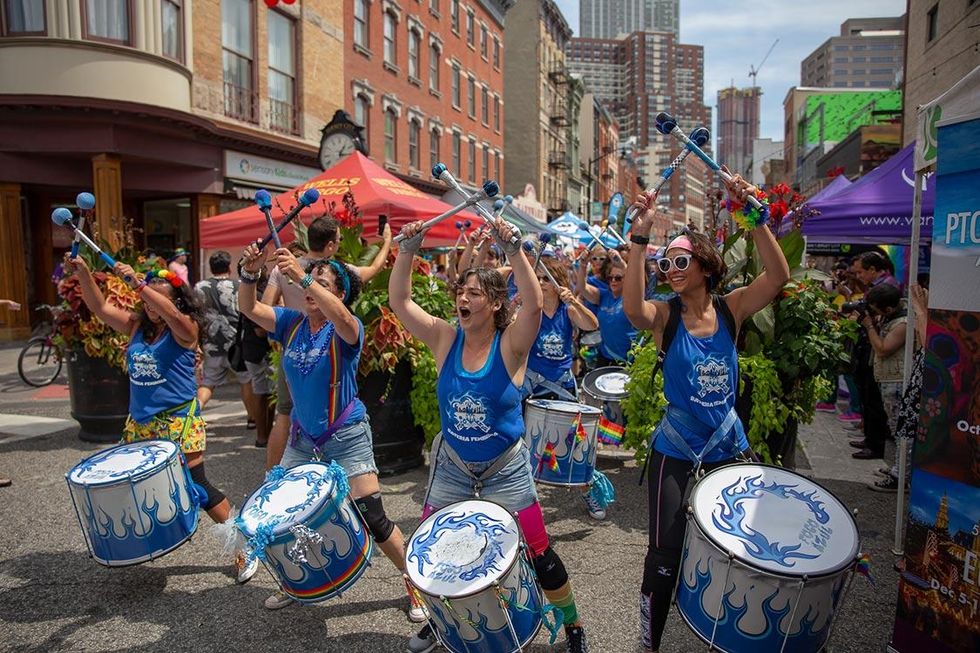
x,y
85,203
62,217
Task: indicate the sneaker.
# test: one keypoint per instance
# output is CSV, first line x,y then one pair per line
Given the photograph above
x,y
849,417
415,612
576,639
887,484
424,642
277,601
826,407
244,570
596,511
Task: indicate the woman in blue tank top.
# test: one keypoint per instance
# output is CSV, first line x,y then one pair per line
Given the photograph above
x,y
482,364
615,328
163,343
700,428
321,350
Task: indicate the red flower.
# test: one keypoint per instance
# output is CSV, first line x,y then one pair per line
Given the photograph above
x,y
780,189
778,209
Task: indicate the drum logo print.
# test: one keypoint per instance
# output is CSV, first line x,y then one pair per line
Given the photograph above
x,y
473,527
730,514
712,376
469,413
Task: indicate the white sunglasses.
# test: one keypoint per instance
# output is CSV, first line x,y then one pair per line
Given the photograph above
x,y
681,262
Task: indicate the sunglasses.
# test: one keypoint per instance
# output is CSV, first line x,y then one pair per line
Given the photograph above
x,y
598,259
680,262
616,277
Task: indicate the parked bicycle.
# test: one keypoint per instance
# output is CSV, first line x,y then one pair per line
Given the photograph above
x,y
39,363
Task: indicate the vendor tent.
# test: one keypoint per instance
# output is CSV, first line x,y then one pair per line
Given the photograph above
x,y
376,191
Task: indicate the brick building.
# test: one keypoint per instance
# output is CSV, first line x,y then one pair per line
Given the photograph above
x,y
425,80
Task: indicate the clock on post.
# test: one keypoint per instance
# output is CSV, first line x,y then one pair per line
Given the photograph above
x,y
339,138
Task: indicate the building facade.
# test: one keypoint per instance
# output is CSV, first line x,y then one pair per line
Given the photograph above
x,y
173,111
868,53
536,90
425,80
608,19
940,49
763,150
738,127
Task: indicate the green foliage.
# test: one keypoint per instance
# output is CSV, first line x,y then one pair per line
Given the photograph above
x,y
645,403
769,412
425,405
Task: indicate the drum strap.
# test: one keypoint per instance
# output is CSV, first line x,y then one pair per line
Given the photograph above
x,y
676,439
191,407
540,385
498,464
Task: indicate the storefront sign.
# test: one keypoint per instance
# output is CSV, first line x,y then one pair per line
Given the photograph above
x,y
260,170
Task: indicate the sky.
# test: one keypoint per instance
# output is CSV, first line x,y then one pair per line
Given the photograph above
x,y
736,39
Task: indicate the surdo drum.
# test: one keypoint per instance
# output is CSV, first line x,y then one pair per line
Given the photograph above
x,y
605,388
561,452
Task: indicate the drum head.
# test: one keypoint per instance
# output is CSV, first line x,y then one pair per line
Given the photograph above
x,y
462,549
607,383
289,500
775,520
122,462
570,407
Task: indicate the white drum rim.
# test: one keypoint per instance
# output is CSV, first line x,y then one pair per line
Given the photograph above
x,y
598,373
283,527
581,409
843,566
128,479
521,546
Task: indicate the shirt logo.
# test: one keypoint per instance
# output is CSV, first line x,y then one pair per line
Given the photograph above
x,y
469,412
552,346
712,376
144,366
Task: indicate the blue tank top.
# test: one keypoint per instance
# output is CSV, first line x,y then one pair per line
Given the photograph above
x,y
161,376
701,378
551,355
617,332
480,411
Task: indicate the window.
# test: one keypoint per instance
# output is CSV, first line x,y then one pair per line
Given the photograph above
x,y
362,114
932,24
107,20
484,42
496,166
434,6
456,82
485,105
361,23
496,52
414,39
470,28
414,131
881,71
282,73
457,146
433,148
391,133
172,29
496,113
391,57
237,57
434,67
471,96
486,162
24,16
454,15
472,160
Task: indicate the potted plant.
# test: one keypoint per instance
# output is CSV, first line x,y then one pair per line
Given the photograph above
x,y
96,354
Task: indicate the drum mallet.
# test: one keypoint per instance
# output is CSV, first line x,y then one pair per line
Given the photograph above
x,y
489,190
264,201
462,226
309,196
85,203
441,172
700,136
62,217
667,125
498,209
545,238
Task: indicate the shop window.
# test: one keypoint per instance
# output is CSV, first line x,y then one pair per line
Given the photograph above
x,y
282,73
24,17
107,20
238,55
172,27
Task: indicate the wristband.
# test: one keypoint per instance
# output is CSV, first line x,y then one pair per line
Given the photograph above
x,y
639,240
250,276
140,286
746,216
306,281
248,281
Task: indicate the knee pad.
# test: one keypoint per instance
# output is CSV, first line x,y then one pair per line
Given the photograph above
x,y
550,570
212,495
373,512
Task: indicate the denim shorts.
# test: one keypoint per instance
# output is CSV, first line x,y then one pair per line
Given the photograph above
x,y
512,487
352,447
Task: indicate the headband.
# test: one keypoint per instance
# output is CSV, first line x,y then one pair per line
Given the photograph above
x,y
681,242
340,272
168,276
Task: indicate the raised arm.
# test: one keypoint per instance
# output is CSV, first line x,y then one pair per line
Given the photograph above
x,y
182,326
435,332
466,259
581,317
520,335
259,312
582,288
366,273
641,313
332,306
117,318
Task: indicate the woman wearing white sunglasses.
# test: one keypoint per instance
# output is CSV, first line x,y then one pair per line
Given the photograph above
x,y
700,375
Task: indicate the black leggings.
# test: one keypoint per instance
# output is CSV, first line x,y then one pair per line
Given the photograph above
x,y
669,485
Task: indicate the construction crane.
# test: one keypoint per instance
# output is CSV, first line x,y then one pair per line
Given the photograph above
x,y
753,71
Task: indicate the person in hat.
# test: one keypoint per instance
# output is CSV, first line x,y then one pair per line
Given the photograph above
x,y
178,264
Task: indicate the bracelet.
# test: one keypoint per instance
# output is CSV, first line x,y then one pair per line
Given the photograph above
x,y
251,277
248,281
639,240
306,281
746,216
140,286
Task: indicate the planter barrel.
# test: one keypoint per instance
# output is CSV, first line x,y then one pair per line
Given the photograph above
x,y
99,396
398,443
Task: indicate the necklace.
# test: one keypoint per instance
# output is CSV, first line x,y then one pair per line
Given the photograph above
x,y
307,357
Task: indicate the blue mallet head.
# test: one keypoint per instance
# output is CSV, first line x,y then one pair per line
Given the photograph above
x,y
509,199
263,199
467,224
491,188
528,246
459,225
700,136
438,169
665,123
498,204
85,201
61,216
544,237
309,196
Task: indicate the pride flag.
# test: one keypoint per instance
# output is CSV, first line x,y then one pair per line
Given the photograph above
x,y
610,432
576,432
550,457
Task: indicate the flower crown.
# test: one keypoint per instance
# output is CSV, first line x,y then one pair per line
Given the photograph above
x,y
168,276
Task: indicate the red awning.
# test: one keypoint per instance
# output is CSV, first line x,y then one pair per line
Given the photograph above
x,y
376,191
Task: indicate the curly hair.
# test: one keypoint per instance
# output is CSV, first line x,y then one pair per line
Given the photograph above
x,y
492,283
707,255
343,276
187,301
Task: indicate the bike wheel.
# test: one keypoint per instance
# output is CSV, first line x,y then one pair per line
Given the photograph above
x,y
39,362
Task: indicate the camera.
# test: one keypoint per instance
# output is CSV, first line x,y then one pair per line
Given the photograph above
x,y
860,307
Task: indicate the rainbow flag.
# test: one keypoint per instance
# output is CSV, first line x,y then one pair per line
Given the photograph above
x,y
576,431
550,457
610,432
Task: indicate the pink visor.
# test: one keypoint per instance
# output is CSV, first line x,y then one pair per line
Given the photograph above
x,y
681,242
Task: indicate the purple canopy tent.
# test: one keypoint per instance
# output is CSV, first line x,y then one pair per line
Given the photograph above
x,y
876,209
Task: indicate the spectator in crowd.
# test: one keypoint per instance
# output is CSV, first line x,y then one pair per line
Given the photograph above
x,y
178,264
256,353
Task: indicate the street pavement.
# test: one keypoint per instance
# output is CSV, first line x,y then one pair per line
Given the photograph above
x,y
53,597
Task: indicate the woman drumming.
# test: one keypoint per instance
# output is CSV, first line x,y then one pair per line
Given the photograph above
x,y
161,356
484,360
615,328
700,377
328,421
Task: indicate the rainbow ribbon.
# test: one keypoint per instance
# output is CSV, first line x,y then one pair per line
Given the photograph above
x,y
610,432
864,568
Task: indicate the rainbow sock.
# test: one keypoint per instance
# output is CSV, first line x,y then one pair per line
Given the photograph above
x,y
564,599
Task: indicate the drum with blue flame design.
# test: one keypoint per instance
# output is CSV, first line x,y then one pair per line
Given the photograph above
x,y
314,540
134,502
550,428
605,388
472,573
766,557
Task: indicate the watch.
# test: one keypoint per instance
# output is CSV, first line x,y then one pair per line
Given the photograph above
x,y
639,240
335,147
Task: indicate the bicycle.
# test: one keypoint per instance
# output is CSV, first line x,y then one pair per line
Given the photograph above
x,y
39,363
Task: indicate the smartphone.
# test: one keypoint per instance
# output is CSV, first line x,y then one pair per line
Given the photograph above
x,y
382,221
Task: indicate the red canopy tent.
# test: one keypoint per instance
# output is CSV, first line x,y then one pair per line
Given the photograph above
x,y
376,192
